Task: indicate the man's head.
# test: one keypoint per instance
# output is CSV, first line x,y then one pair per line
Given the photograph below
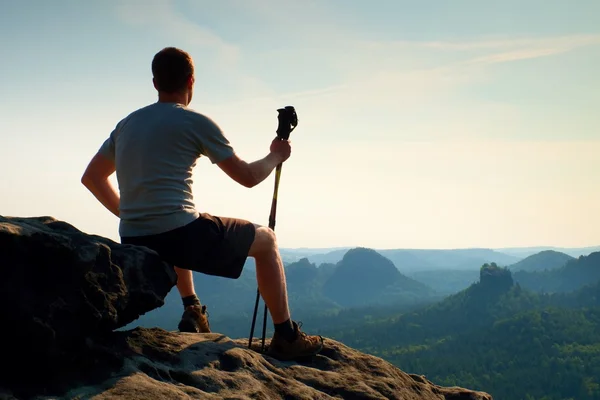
x,y
173,73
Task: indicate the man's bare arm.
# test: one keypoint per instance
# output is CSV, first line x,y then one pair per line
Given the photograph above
x,y
95,178
251,174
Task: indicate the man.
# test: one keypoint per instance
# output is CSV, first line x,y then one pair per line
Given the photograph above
x,y
153,151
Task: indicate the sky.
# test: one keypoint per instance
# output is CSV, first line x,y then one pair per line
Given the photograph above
x,y
429,124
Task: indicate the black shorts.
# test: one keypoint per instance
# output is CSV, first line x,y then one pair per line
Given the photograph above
x,y
211,245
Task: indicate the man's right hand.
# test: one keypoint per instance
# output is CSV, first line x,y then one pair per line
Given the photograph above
x,y
281,148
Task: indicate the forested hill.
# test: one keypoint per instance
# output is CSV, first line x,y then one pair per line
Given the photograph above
x,y
575,274
544,260
365,277
462,312
498,337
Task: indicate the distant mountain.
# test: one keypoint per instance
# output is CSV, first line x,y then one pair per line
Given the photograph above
x,y
524,252
409,260
576,274
544,260
500,256
305,284
365,277
290,255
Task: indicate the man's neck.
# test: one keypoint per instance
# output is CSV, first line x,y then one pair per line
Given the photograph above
x,y
180,98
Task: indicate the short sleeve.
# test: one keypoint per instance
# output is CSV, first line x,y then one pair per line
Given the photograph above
x,y
108,147
212,142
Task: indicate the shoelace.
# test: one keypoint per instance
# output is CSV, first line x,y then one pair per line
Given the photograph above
x,y
300,333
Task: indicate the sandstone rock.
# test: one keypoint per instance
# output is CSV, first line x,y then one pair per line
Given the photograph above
x,y
59,285
495,278
157,364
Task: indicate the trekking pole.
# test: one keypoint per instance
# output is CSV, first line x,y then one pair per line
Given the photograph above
x,y
288,120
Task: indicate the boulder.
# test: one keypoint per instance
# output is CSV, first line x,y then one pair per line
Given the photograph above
x,y
59,286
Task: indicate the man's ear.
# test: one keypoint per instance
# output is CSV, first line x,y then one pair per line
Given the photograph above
x,y
154,83
190,81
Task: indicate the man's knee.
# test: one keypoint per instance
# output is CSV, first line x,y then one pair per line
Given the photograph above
x,y
264,241
266,236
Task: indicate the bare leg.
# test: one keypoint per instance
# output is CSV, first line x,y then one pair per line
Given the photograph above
x,y
288,341
185,282
270,274
194,318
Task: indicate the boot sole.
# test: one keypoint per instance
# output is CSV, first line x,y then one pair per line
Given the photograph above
x,y
188,327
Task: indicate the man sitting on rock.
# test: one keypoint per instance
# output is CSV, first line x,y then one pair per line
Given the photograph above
x,y
153,151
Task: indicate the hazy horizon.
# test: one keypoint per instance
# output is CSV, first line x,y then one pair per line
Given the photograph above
x,y
459,125
443,248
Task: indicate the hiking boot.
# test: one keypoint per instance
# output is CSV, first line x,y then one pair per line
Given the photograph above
x,y
195,320
303,346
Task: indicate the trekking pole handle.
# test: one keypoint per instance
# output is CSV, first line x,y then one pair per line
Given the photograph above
x,y
288,120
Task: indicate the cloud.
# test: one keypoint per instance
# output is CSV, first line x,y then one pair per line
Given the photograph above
x,y
387,75
514,56
564,42
388,89
497,50
531,49
330,54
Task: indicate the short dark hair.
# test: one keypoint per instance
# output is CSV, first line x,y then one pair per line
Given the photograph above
x,y
171,68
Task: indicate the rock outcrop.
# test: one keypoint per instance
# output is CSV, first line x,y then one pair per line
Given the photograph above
x,y
495,278
157,364
59,286
63,294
